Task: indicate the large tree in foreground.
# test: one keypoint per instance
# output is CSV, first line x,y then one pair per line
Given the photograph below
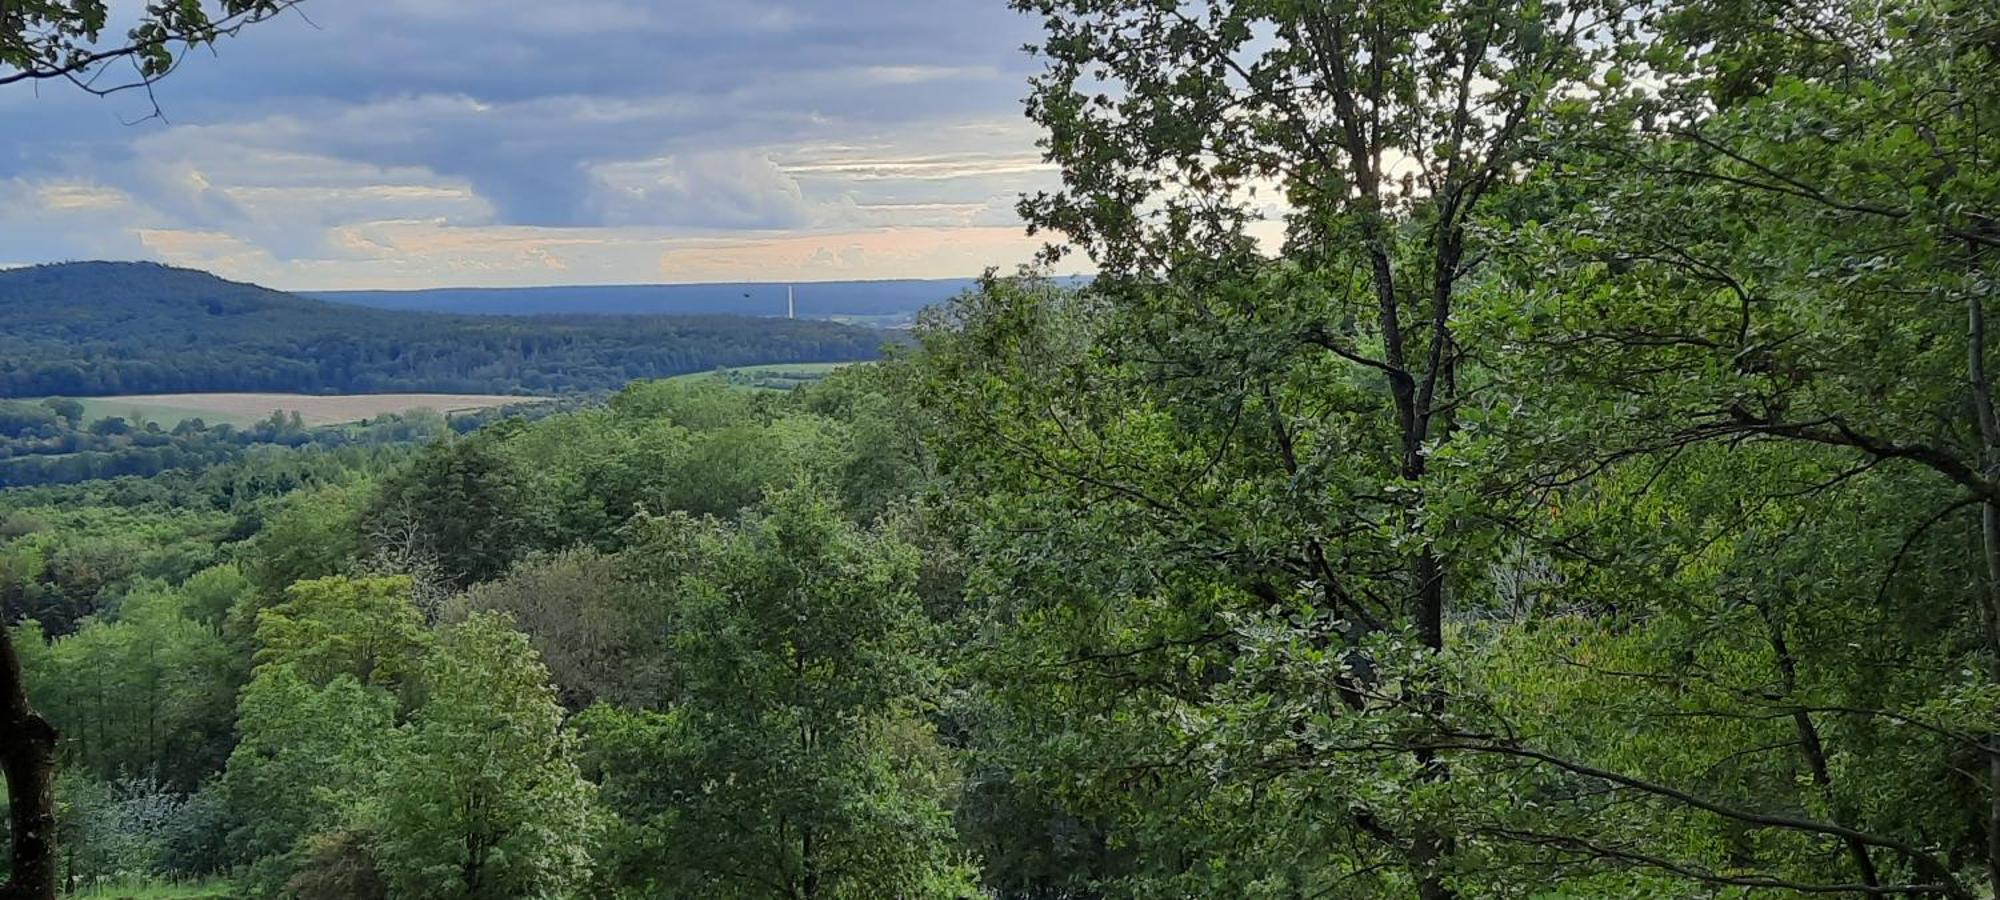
x,y
1796,258
1651,593
1271,430
50,40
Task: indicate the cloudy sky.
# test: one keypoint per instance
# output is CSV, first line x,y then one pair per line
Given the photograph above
x,y
425,143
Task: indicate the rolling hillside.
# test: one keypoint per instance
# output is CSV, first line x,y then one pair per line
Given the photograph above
x,y
815,300
96,328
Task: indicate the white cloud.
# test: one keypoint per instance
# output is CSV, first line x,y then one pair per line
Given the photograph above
x,y
716,190
59,196
413,142
921,74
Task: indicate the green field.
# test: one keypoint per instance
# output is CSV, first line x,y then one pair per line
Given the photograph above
x,y
142,409
248,408
243,409
773,377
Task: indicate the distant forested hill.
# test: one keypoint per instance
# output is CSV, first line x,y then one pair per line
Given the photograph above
x,y
83,329
817,300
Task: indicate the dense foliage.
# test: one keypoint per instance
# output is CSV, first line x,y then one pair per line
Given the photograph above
x,y
299,667
88,329
49,442
1587,499
1594,496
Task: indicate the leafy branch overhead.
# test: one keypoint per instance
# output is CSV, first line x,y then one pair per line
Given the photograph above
x,y
48,40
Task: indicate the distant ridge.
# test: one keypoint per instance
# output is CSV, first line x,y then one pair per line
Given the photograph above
x,y
101,328
816,299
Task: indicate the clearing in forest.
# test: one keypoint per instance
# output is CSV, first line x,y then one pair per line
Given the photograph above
x,y
773,376
313,409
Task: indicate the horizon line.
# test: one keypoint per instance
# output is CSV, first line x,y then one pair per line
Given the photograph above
x,y
9,265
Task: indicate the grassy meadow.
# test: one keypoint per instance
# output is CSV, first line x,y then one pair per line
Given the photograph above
x,y
247,408
155,890
773,377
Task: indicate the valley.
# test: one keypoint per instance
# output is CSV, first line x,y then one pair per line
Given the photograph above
x,y
1500,451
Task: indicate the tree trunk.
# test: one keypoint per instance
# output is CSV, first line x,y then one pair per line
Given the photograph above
x,y
1989,435
1990,541
1813,748
809,886
1430,847
28,754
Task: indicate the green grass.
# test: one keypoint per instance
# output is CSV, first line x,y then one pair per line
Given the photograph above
x,y
137,411
811,369
771,377
157,890
248,408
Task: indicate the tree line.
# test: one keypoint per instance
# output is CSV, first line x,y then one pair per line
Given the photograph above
x,y
49,442
93,329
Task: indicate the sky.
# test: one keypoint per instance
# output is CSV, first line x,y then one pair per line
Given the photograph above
x,y
388,144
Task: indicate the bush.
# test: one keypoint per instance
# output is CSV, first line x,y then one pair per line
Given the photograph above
x,y
118,830
337,866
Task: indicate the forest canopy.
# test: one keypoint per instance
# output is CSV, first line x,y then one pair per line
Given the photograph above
x,y
1594,493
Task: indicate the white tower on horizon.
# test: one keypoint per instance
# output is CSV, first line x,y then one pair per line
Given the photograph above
x,y
791,310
